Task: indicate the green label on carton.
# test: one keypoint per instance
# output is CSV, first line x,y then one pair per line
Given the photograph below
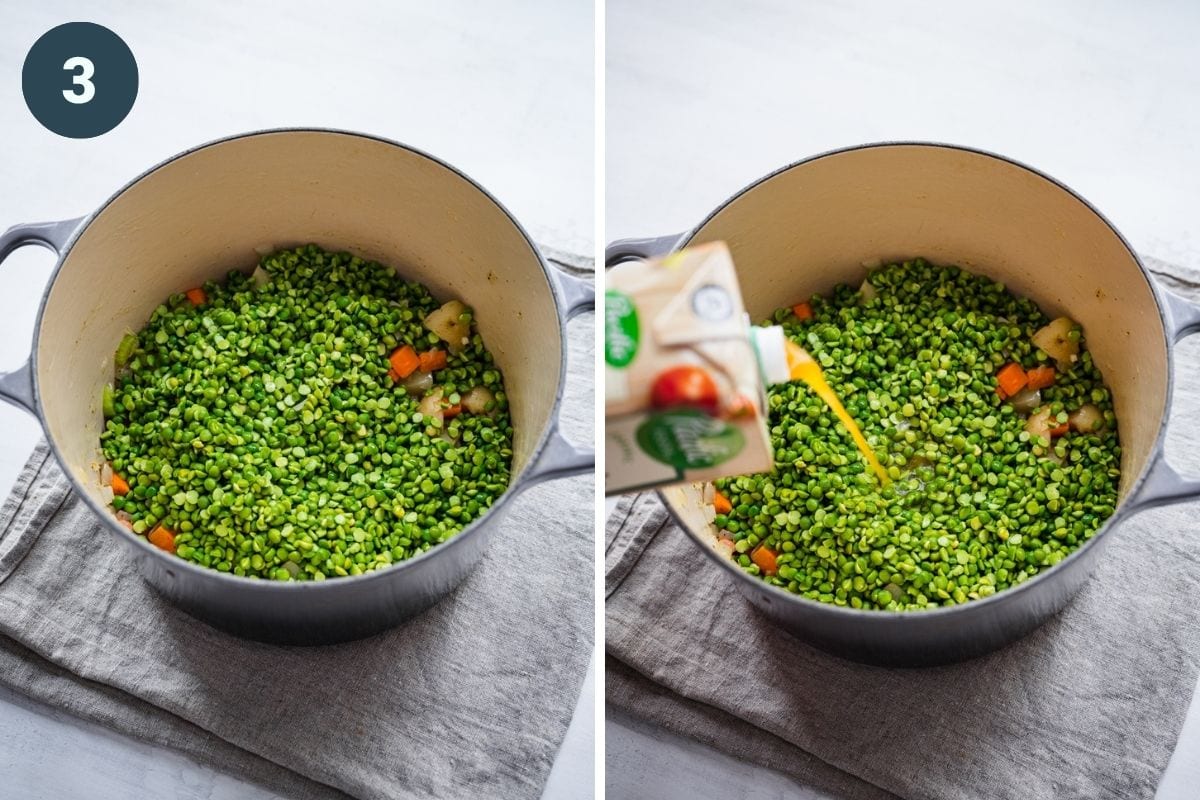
x,y
621,333
689,439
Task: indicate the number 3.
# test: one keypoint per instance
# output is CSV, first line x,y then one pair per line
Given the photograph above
x,y
87,89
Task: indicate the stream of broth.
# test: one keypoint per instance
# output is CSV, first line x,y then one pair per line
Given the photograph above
x,y
803,367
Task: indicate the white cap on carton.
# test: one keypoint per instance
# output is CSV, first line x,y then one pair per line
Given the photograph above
x,y
772,353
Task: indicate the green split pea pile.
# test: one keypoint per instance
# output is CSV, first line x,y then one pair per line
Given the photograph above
x,y
262,427
976,504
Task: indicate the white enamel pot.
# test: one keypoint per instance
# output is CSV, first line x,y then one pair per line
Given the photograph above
x,y
811,225
204,212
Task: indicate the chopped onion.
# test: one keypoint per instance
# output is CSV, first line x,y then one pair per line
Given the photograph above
x,y
418,383
872,263
476,400
867,291
106,474
1055,341
724,547
106,494
447,322
1026,400
1086,418
260,276
265,249
710,494
292,568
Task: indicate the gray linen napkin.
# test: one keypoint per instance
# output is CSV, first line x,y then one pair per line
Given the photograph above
x,y
1088,706
469,700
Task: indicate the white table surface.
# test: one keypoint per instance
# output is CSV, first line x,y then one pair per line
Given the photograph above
x,y
502,91
705,96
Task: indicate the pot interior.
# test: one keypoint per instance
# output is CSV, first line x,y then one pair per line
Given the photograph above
x,y
205,213
811,227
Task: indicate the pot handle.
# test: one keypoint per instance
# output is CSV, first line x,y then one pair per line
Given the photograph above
x,y
639,249
577,294
558,457
1162,484
16,387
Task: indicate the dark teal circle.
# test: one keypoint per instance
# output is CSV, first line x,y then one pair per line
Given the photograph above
x,y
44,79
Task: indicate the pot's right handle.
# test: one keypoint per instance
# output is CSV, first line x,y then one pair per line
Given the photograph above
x,y
1163,484
16,387
559,458
639,249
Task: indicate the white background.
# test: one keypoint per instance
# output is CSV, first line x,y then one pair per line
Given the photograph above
x,y
504,91
705,96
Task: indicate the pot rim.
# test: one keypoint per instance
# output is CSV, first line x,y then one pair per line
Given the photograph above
x,y
983,604
244,583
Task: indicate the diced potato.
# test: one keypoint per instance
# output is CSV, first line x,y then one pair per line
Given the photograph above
x,y
1086,418
724,547
476,400
447,322
431,406
1055,340
1038,426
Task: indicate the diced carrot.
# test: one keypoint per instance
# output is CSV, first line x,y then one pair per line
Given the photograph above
x,y
1011,379
803,311
197,296
162,538
392,374
765,558
119,485
404,361
721,503
1040,377
450,412
432,360
1060,430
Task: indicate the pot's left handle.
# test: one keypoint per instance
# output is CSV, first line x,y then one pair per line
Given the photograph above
x,y
639,249
558,457
1163,484
16,387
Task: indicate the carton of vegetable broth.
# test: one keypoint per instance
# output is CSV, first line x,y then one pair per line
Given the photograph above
x,y
683,383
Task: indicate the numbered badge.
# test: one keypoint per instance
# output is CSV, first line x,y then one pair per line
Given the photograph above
x,y
80,80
